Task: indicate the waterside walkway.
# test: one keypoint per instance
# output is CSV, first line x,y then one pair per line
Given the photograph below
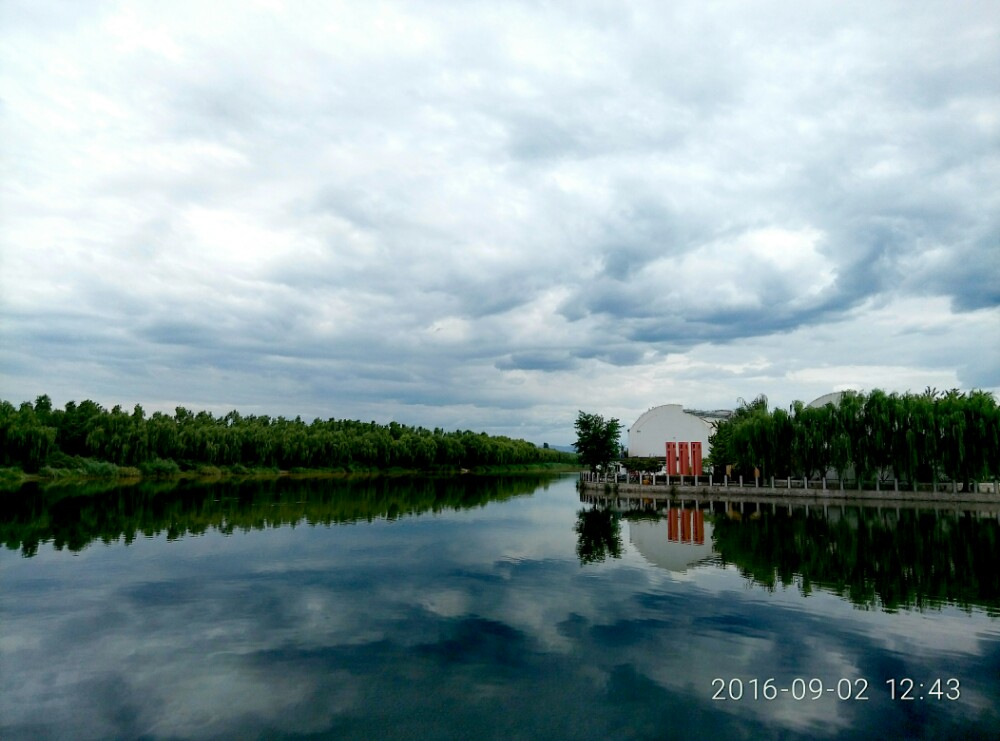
x,y
791,492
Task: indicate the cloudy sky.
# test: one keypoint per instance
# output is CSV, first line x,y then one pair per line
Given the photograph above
x,y
490,215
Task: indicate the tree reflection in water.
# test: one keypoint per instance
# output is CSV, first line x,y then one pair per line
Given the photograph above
x,y
74,516
599,535
878,559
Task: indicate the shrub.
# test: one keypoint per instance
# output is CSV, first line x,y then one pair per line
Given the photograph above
x,y
59,460
99,469
159,468
11,474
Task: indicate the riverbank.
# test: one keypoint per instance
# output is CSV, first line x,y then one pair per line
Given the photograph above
x,y
99,471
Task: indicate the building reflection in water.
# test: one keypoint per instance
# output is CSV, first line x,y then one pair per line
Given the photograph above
x,y
684,540
686,525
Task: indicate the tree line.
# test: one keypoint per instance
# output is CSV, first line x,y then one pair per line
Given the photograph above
x,y
37,437
923,437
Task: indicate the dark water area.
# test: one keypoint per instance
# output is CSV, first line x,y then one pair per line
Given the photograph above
x,y
487,608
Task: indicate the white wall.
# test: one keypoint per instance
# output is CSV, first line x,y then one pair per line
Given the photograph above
x,y
648,436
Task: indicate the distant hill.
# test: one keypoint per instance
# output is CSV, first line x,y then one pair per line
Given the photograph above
x,y
562,448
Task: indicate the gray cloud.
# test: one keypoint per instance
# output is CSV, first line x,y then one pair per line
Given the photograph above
x,y
497,194
536,361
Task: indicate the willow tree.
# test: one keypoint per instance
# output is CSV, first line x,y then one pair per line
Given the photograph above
x,y
966,435
878,422
810,445
730,440
24,440
983,435
916,437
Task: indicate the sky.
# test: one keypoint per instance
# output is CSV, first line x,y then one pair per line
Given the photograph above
x,y
490,216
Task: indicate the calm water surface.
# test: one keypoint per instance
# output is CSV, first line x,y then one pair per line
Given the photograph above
x,y
481,609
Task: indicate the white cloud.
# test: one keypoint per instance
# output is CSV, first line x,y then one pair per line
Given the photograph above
x,y
523,207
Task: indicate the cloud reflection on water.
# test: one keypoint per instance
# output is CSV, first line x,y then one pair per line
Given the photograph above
x,y
477,624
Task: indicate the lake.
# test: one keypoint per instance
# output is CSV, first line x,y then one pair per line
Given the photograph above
x,y
487,608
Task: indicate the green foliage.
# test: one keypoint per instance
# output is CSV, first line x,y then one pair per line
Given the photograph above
x,y
89,440
643,465
914,437
99,469
730,443
598,441
61,466
11,474
160,468
25,437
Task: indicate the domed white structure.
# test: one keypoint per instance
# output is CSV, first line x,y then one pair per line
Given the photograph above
x,y
666,423
831,398
649,435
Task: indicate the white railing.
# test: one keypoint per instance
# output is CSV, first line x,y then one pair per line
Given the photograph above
x,y
787,483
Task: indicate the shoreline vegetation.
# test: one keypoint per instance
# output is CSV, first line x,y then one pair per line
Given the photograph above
x,y
91,471
85,441
872,437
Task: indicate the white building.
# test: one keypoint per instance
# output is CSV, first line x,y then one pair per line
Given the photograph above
x,y
831,398
648,436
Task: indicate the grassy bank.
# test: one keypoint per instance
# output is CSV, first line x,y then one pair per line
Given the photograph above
x,y
86,469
